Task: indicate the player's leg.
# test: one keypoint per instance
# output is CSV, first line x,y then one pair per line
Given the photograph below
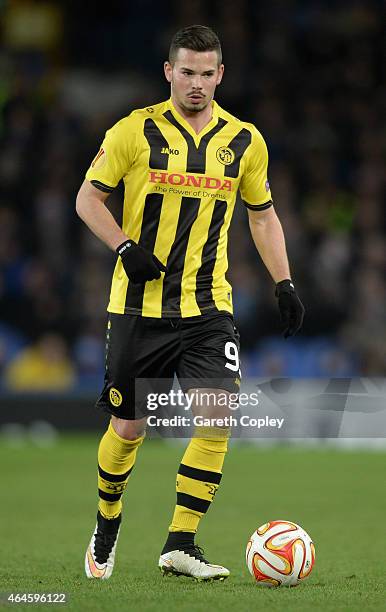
x,y
129,353
116,458
198,479
200,472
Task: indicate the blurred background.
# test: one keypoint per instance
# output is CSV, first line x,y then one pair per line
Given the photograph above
x,y
310,75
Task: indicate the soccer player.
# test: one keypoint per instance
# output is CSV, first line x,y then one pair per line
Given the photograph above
x,y
170,311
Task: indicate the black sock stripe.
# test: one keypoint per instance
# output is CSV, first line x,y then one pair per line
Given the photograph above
x,y
114,477
149,228
192,503
238,145
196,159
111,497
204,277
171,294
157,141
202,475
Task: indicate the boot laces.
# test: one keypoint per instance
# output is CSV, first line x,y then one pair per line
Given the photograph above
x,y
197,552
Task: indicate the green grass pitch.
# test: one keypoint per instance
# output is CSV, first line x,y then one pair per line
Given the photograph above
x,y
48,506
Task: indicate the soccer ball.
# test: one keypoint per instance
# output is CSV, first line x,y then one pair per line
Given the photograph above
x,y
280,553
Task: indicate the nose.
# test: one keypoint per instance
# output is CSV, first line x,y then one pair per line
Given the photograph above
x,y
197,82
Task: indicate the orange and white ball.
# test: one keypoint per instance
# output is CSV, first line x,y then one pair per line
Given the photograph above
x,y
280,553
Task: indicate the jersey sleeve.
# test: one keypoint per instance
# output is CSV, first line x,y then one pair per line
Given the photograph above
x,y
115,157
254,186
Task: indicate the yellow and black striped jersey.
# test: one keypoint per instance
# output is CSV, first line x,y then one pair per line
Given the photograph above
x,y
180,193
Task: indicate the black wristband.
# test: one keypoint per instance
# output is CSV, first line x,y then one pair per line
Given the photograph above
x,y
284,286
122,248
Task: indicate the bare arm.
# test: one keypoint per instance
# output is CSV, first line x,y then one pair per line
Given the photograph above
x,y
90,206
267,234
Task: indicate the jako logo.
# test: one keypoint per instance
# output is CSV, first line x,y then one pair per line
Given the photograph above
x,y
189,180
168,151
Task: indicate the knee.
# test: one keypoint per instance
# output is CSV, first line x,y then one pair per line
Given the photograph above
x,y
129,430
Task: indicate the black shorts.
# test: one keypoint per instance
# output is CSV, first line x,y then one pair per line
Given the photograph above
x,y
201,351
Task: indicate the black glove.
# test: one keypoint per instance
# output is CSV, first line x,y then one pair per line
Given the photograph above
x,y
291,308
140,265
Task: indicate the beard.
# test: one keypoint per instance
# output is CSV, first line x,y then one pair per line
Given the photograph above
x,y
190,107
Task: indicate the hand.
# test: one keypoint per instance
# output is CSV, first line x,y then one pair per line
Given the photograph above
x,y
291,308
139,264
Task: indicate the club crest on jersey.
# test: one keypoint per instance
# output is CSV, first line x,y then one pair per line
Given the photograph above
x,y
190,180
99,159
225,156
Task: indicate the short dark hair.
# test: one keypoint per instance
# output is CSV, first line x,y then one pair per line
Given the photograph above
x,y
196,38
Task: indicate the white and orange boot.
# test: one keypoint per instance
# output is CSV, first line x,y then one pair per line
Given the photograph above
x,y
100,554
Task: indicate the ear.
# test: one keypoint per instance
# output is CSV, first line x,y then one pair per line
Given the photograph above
x,y
168,70
220,74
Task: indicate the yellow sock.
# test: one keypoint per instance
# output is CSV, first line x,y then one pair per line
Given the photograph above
x,y
116,458
199,477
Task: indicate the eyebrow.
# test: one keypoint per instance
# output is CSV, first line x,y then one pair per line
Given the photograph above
x,y
190,70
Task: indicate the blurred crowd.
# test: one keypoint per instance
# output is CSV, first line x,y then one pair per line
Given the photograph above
x,y
310,75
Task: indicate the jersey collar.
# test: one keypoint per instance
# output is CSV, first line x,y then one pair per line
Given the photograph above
x,y
196,137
